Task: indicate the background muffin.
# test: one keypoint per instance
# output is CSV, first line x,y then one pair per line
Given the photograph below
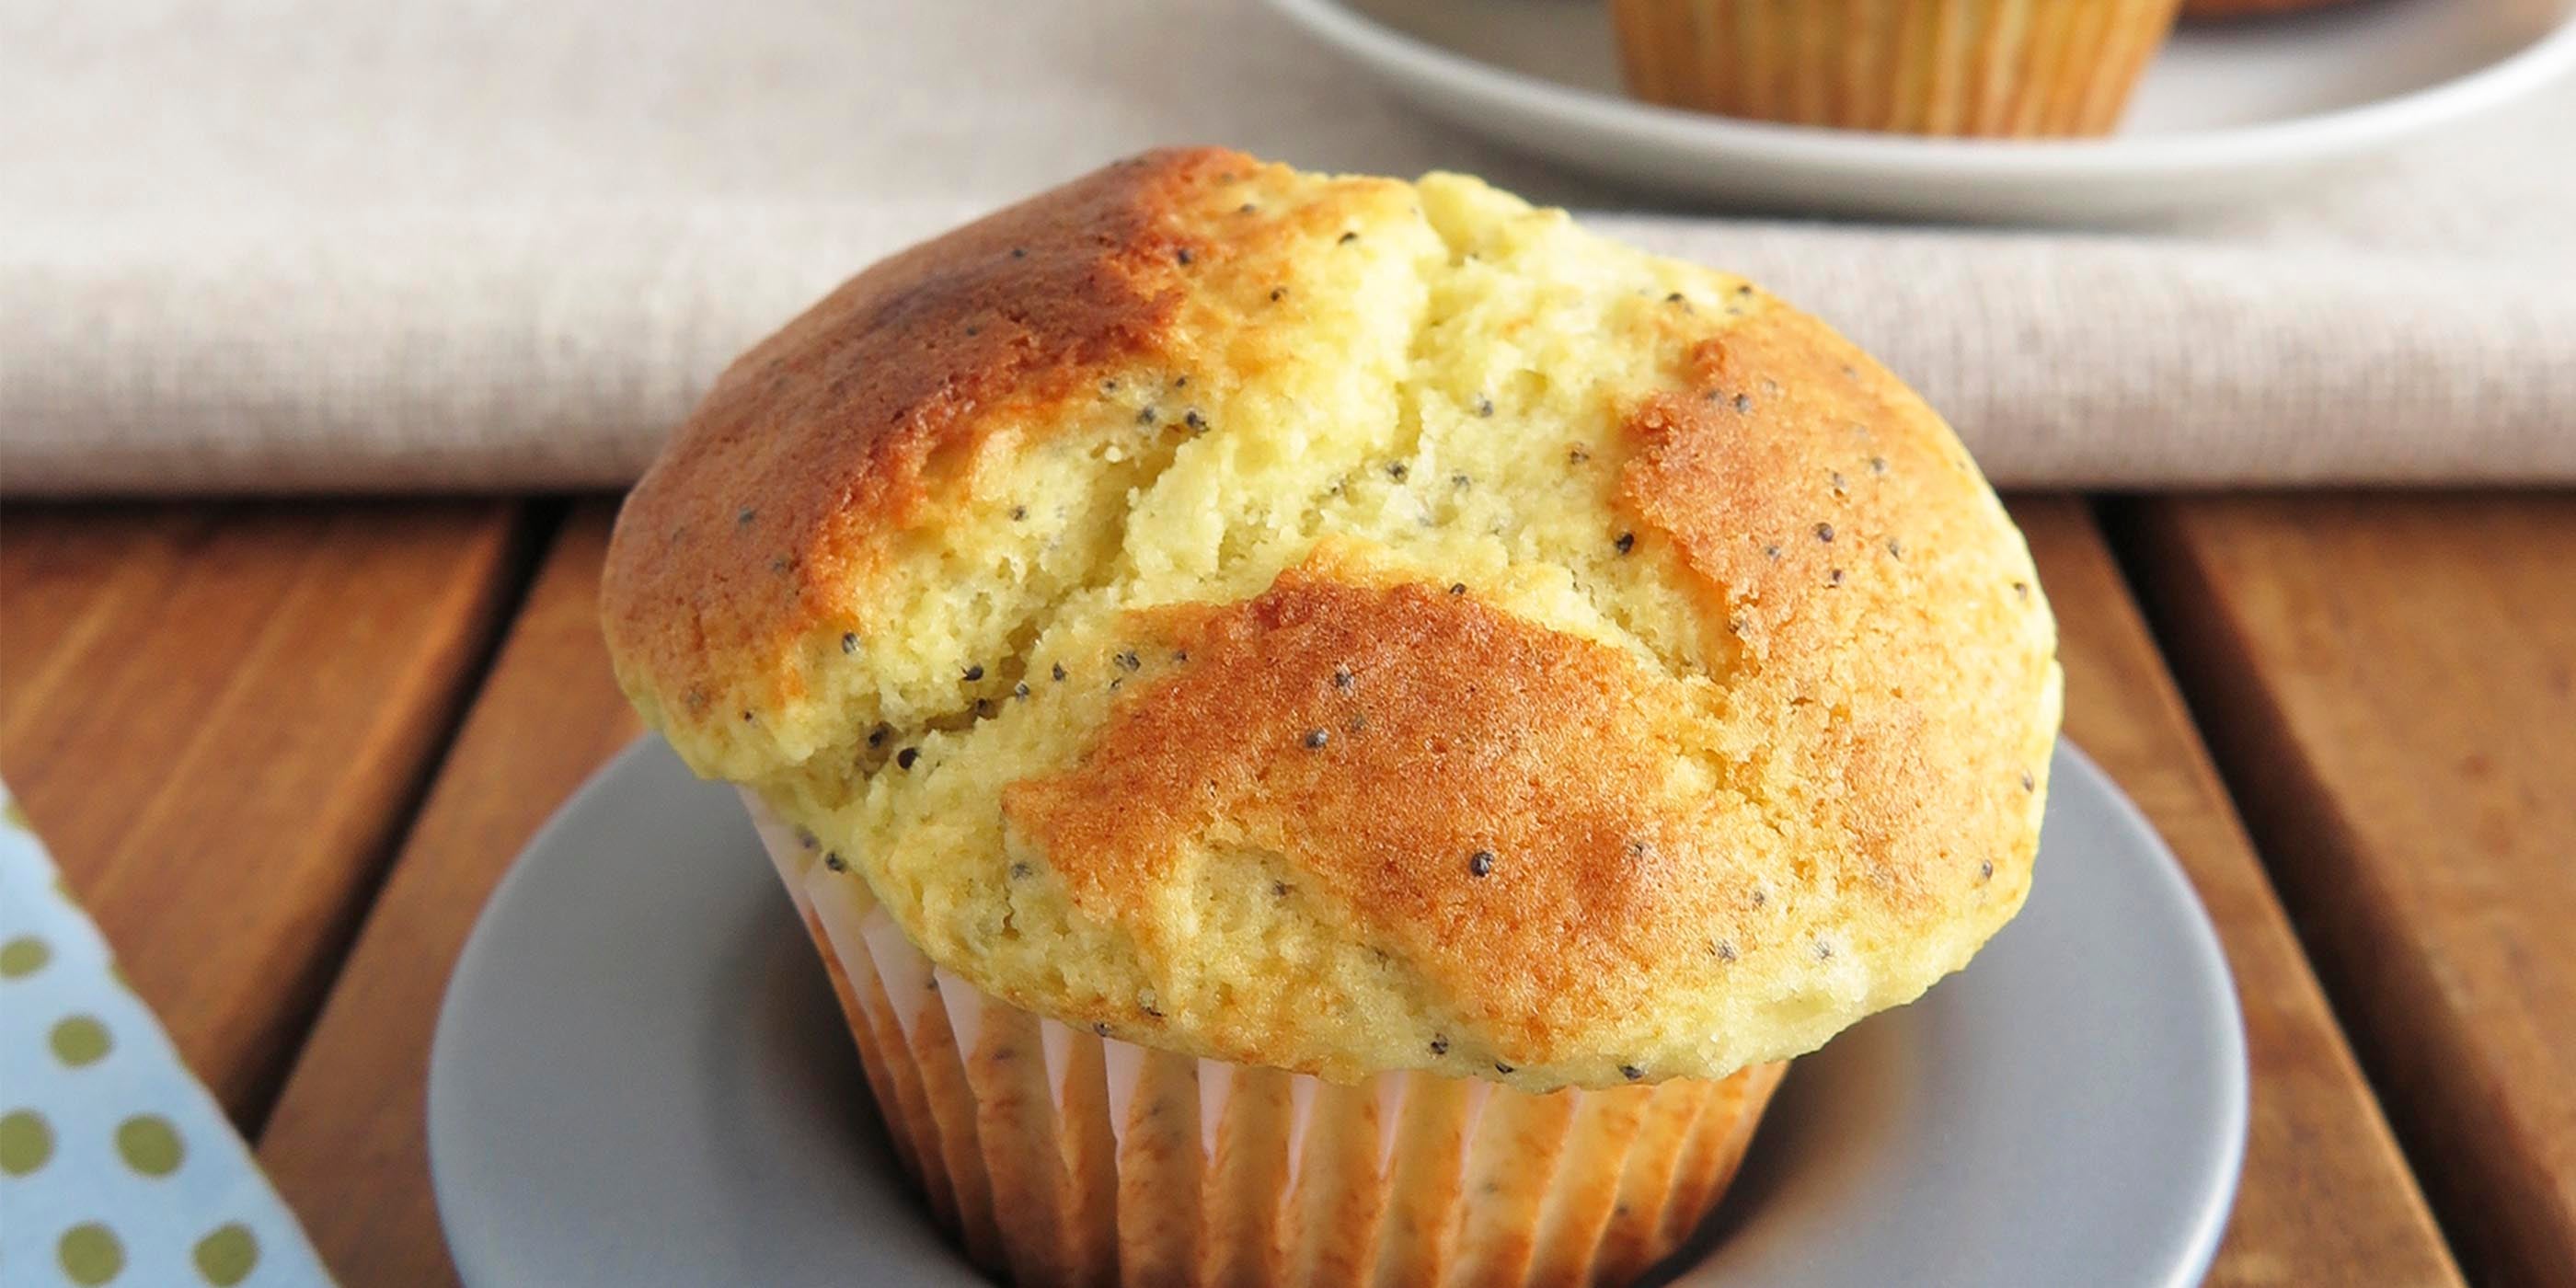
x,y
1242,668
2248,8
1970,67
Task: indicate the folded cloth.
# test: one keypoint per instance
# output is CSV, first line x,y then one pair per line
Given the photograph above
x,y
115,1164
286,245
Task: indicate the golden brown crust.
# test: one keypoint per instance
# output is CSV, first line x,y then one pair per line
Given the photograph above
x,y
762,521
1843,539
1480,791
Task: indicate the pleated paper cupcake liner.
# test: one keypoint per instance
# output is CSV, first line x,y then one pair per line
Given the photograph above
x,y
2006,68
1062,1157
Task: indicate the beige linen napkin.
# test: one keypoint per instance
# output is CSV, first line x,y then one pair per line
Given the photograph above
x,y
296,245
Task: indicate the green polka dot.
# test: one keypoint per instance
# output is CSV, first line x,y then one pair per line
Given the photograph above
x,y
149,1144
90,1254
17,816
79,1040
26,1141
23,956
227,1256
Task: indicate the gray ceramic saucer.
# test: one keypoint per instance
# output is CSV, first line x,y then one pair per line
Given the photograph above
x,y
639,1079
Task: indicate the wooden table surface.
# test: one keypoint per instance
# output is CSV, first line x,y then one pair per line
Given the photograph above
x,y
284,750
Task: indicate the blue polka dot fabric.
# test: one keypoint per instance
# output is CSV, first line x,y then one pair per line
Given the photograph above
x,y
116,1166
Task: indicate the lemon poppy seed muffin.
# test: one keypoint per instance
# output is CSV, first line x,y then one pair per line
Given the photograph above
x,y
1307,660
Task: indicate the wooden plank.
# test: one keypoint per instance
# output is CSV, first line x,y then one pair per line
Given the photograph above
x,y
2326,1197
2390,683
218,717
345,1144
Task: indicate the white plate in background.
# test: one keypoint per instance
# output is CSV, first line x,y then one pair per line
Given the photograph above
x,y
640,1079
2227,110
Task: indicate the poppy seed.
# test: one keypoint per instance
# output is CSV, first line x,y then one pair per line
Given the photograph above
x,y
903,759
1439,1046
1631,1072
832,859
1824,532
1316,738
849,641
975,672
1058,671
1481,863
1627,541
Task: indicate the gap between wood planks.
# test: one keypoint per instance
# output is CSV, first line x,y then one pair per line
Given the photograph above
x,y
531,533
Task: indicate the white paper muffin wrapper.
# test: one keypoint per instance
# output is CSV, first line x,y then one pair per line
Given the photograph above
x,y
1062,1157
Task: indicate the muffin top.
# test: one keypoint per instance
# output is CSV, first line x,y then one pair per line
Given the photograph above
x,y
1343,625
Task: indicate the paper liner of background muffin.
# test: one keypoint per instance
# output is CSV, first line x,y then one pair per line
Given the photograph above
x,y
1066,1157
2011,68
